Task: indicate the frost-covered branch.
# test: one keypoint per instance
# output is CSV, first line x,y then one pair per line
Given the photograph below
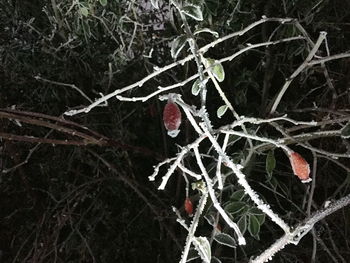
x,y
301,230
258,121
161,89
158,71
176,163
258,138
299,138
209,185
194,225
243,182
312,53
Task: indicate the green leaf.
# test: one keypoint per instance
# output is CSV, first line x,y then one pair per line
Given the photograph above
x,y
216,68
258,214
253,226
270,163
235,207
155,4
237,195
225,239
208,62
84,11
242,224
202,246
206,30
177,45
221,111
193,11
261,219
196,87
255,211
345,131
219,72
199,185
103,2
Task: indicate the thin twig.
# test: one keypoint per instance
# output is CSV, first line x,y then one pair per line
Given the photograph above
x,y
312,53
301,230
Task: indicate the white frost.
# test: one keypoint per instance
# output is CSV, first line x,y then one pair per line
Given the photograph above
x,y
173,133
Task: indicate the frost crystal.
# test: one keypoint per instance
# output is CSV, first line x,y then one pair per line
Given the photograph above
x,y
173,133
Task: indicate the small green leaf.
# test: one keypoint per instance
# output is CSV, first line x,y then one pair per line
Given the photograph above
x,y
221,111
84,11
202,246
225,239
196,87
208,62
270,163
242,224
235,207
199,185
261,219
177,45
155,4
237,195
219,72
103,2
258,214
255,211
253,226
206,30
193,11
345,131
216,68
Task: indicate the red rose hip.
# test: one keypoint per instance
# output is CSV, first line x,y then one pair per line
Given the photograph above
x,y
172,118
300,167
188,206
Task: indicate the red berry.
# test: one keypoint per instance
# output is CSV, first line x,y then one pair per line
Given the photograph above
x,y
188,206
172,118
300,167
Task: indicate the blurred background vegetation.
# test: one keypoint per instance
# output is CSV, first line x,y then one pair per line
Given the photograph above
x,y
91,201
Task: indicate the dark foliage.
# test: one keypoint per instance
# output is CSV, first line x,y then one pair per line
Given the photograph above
x,y
80,192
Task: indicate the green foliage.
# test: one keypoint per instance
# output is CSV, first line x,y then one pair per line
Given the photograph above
x,y
202,245
177,45
221,111
103,2
196,87
225,239
193,11
247,216
270,163
216,68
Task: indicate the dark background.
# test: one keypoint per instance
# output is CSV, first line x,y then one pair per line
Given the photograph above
x,y
91,201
